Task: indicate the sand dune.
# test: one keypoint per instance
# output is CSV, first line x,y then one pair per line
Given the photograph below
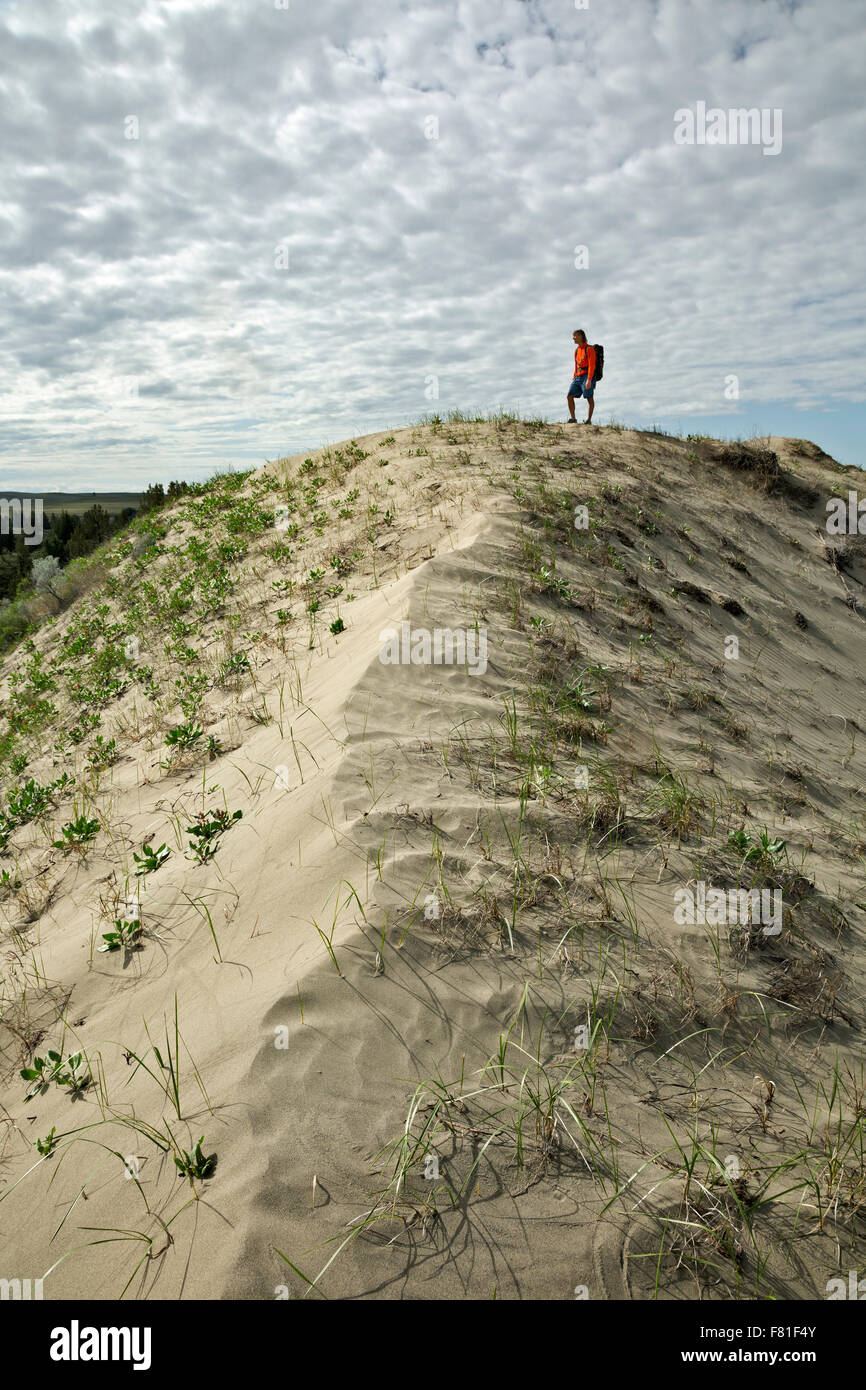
x,y
436,1016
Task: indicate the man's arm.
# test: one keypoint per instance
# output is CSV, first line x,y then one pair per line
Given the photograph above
x,y
590,365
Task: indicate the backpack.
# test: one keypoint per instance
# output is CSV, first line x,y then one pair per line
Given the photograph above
x,y
599,361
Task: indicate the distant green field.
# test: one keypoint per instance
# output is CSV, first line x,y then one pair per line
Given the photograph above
x,y
72,502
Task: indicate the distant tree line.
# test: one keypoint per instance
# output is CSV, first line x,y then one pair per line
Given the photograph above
x,y
71,535
157,495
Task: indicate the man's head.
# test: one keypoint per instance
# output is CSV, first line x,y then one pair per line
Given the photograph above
x,y
579,337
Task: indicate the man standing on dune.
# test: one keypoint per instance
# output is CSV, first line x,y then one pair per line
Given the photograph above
x,y
584,376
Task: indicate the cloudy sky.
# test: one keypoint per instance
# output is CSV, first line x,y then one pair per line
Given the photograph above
x,y
236,229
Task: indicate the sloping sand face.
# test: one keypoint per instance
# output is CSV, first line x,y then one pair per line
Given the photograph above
x,y
476,998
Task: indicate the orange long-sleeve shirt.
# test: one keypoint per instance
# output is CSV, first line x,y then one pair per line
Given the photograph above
x,y
584,361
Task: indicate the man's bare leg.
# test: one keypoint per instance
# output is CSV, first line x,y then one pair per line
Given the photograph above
x,y
570,400
591,408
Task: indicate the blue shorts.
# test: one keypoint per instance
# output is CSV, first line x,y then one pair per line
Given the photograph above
x,y
579,388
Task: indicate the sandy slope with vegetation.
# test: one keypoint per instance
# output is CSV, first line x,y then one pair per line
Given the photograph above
x,y
426,999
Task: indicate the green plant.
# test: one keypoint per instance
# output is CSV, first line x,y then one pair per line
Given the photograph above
x,y
52,1068
549,583
150,859
47,1145
184,736
238,664
577,696
196,1164
209,827
766,851
102,754
77,832
126,935
337,626
29,802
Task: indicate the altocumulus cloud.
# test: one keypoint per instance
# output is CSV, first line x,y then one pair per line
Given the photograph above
x,y
230,230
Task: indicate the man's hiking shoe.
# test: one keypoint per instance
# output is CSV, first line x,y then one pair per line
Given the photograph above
x,y
571,422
